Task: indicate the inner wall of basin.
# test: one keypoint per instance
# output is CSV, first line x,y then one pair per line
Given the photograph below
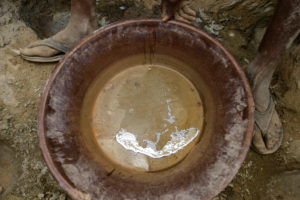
x,y
143,116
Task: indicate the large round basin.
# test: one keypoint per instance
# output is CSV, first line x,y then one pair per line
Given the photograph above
x,y
144,109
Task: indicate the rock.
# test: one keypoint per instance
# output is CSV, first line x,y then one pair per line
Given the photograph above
x,y
213,28
41,195
5,19
3,125
103,21
54,196
62,197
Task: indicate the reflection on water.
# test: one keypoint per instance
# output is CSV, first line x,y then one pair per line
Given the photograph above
x,y
171,119
179,139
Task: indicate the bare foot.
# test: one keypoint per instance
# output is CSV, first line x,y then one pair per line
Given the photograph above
x,y
178,9
73,33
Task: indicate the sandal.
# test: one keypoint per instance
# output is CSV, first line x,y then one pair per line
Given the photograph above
x,y
49,43
268,132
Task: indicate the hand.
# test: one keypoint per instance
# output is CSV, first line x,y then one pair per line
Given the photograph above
x,y
177,9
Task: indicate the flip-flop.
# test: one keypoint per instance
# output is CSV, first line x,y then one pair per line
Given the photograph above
x,y
49,43
268,132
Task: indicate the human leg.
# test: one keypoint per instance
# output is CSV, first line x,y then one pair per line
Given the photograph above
x,y
284,28
82,22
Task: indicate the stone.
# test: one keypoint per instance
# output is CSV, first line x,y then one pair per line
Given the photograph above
x,y
54,196
41,195
5,19
62,197
3,125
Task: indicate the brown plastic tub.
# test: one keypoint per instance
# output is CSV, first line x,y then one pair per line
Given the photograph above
x,y
74,122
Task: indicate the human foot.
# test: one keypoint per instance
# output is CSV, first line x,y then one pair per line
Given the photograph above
x,y
52,49
179,9
283,29
268,131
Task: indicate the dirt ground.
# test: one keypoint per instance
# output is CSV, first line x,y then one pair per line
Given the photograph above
x,y
238,24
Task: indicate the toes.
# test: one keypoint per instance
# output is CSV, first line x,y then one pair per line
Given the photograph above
x,y
271,140
180,18
179,11
274,136
184,13
258,142
186,16
187,9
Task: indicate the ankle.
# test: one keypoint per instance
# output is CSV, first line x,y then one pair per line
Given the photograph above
x,y
261,96
82,24
75,31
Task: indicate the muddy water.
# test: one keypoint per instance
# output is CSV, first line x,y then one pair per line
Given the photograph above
x,y
145,117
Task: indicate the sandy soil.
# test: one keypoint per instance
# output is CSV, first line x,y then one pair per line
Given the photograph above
x,y
239,26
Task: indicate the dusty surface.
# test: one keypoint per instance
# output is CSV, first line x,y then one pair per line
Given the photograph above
x,y
239,25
